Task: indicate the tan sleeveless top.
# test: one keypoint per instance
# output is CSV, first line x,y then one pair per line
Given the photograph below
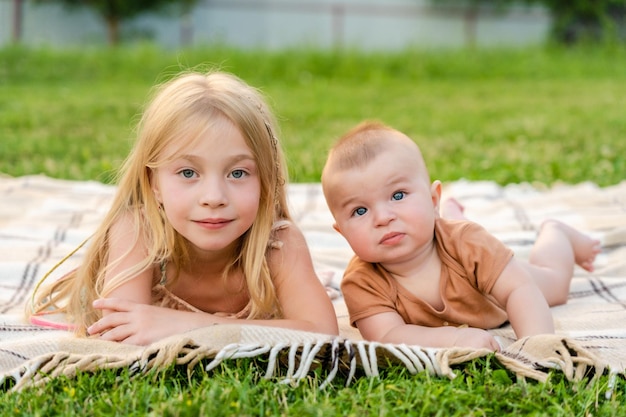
x,y
163,297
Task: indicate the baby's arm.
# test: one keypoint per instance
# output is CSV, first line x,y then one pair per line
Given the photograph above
x,y
527,308
390,328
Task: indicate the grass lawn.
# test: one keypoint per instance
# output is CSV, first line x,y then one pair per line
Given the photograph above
x,y
537,115
510,116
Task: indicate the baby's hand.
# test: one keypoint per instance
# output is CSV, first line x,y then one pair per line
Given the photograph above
x,y
476,338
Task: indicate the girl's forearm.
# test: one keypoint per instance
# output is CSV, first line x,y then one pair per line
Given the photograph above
x,y
294,324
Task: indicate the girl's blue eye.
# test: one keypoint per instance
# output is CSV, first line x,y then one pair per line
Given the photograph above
x,y
238,173
398,195
360,211
187,173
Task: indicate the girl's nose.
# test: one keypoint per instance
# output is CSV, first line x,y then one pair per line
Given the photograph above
x,y
213,194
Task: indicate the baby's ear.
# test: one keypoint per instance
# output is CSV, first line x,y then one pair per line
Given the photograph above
x,y
435,192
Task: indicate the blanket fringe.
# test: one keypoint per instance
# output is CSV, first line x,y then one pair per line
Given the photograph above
x,y
536,356
290,362
341,355
41,370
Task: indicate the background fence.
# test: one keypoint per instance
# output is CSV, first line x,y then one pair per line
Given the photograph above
x,y
275,24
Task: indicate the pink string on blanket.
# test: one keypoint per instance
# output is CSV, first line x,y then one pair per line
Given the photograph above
x,y
38,320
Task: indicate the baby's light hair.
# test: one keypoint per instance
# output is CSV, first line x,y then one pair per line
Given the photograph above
x,y
181,110
359,146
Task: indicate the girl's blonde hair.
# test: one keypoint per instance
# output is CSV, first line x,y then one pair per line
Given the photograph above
x,y
181,110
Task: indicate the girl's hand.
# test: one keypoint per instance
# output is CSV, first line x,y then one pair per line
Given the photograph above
x,y
140,324
476,338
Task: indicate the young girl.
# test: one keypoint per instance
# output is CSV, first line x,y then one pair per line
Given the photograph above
x,y
199,232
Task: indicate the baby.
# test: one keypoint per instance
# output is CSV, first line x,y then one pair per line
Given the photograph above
x,y
420,279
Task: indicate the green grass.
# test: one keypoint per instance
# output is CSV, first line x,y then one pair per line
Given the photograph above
x,y
511,116
537,114
481,388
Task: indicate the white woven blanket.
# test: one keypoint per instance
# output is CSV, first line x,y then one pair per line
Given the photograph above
x,y
43,219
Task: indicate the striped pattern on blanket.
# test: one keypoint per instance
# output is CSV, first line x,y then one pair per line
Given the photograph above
x,y
43,219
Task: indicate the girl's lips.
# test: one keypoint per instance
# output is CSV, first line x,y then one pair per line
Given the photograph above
x,y
391,238
213,223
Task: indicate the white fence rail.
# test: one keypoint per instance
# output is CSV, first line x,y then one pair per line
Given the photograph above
x,y
275,24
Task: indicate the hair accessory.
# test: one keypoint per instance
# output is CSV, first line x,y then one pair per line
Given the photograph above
x,y
280,181
163,272
272,136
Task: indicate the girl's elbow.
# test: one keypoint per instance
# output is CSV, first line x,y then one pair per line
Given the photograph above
x,y
329,327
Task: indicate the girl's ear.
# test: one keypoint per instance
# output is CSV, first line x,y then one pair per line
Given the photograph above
x,y
155,186
435,192
157,195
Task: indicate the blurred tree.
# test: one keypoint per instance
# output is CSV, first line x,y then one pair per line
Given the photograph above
x,y
573,21
114,12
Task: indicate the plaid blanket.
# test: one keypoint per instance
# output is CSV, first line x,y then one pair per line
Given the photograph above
x,y
43,219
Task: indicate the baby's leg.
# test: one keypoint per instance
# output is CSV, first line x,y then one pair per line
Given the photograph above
x,y
552,258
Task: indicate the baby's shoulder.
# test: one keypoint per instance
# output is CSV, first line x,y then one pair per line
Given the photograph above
x,y
459,232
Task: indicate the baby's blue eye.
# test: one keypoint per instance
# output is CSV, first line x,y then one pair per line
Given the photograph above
x,y
360,211
187,173
238,173
398,195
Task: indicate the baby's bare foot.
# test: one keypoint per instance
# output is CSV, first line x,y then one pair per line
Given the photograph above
x,y
585,248
453,209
